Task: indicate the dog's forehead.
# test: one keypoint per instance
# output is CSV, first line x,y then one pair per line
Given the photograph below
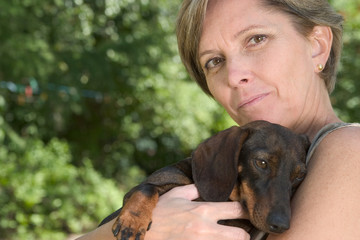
x,y
275,138
272,133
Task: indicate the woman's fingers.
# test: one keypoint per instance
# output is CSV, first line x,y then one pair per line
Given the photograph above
x,y
213,210
233,233
228,210
181,221
176,216
216,211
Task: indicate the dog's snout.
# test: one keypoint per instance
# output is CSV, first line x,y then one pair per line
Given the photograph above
x,y
278,223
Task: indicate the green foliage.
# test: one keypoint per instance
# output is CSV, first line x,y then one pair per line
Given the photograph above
x,y
346,97
43,196
142,108
105,77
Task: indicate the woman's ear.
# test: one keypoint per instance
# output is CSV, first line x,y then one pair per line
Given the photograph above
x,y
321,41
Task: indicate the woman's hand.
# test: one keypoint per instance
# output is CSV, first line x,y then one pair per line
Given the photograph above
x,y
177,217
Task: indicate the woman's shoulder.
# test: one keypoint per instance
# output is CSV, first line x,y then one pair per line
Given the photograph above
x,y
334,182
339,149
347,133
340,140
336,136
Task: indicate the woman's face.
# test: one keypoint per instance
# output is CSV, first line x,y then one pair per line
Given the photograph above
x,y
256,64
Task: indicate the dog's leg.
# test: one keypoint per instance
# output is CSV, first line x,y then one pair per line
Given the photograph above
x,y
135,216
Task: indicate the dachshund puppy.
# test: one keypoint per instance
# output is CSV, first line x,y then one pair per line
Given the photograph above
x,y
259,165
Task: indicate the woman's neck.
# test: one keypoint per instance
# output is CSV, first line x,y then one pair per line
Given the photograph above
x,y
318,124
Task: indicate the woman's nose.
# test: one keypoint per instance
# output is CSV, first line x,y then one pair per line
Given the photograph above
x,y
238,74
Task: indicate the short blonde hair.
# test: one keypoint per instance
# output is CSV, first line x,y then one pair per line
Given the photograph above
x,y
305,14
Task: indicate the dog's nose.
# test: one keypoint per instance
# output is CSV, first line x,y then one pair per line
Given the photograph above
x,y
278,223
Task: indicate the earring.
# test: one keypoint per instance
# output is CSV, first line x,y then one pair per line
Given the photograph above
x,y
320,67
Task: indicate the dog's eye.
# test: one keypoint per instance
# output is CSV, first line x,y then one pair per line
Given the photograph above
x,y
301,176
261,164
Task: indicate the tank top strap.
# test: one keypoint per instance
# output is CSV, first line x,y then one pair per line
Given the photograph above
x,y
323,133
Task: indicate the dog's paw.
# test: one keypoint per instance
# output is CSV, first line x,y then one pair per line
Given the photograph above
x,y
130,227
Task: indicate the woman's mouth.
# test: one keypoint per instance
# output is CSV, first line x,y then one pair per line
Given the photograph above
x,y
253,100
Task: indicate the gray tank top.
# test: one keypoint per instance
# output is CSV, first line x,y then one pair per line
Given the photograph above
x,y
259,235
323,133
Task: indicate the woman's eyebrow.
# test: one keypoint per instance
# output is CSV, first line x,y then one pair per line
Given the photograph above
x,y
247,29
236,35
206,52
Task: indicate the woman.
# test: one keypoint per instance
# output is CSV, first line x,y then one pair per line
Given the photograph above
x,y
273,60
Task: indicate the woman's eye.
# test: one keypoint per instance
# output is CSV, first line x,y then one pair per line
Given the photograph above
x,y
213,62
255,40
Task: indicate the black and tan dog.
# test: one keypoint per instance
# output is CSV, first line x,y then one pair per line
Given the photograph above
x,y
258,165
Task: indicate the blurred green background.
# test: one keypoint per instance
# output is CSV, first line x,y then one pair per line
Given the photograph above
x,y
93,97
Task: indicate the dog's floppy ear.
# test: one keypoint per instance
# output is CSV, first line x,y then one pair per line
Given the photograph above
x,y
306,144
215,164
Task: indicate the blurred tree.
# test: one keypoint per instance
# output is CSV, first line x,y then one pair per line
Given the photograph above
x,y
108,80
43,196
346,97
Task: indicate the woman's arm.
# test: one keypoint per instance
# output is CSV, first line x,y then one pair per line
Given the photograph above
x,y
326,206
177,217
103,232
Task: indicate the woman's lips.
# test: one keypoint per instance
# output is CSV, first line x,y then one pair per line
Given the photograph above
x,y
253,100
